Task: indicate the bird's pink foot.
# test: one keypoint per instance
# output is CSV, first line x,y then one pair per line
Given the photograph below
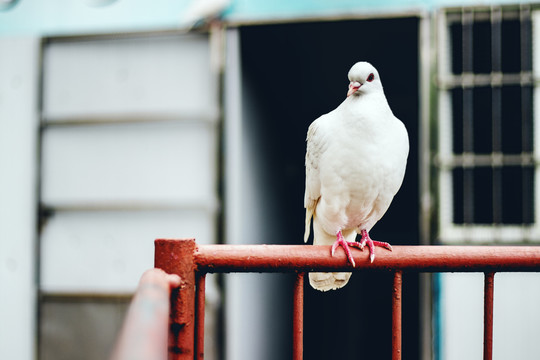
x,y
345,245
366,240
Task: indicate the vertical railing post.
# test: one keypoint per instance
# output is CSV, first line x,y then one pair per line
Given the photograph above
x,y
177,257
396,315
298,317
488,315
199,319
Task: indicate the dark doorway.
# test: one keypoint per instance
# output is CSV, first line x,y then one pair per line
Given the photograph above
x,y
292,74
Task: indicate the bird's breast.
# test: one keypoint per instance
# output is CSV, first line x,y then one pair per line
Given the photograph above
x,y
360,174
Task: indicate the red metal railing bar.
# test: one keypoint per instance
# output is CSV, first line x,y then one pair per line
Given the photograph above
x,y
293,258
489,279
199,317
176,257
298,317
396,315
192,262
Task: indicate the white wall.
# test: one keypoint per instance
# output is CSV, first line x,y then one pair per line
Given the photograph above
x,y
18,158
515,320
129,154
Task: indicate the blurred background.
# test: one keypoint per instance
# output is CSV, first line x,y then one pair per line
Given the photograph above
x,y
126,121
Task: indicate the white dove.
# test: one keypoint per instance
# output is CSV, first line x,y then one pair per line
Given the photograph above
x,y
355,163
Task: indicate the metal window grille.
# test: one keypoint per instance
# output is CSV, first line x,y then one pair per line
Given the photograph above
x,y
487,156
192,262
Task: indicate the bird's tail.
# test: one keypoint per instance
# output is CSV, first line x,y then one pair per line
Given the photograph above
x,y
329,281
332,280
309,214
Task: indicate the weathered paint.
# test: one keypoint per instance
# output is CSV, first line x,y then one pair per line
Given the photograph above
x,y
298,317
489,280
176,257
396,315
290,258
199,316
192,262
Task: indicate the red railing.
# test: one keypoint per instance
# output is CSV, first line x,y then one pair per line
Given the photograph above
x,y
191,262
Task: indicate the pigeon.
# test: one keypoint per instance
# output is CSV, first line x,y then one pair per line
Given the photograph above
x,y
355,163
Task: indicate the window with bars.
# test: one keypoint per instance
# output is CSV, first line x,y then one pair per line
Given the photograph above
x,y
487,157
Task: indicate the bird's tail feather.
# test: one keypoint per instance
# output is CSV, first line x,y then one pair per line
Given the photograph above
x,y
329,281
332,280
309,214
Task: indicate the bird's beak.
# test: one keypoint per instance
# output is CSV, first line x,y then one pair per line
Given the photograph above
x,y
353,86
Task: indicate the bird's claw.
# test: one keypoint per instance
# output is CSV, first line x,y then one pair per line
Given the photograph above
x,y
366,240
340,241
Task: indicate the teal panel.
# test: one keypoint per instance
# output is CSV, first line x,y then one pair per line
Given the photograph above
x,y
61,17
263,9
253,10
51,17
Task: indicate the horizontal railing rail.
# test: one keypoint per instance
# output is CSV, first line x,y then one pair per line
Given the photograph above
x,y
192,262
294,258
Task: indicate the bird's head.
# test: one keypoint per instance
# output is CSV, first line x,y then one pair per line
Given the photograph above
x,y
363,78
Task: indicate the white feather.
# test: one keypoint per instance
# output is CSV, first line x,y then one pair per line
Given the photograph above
x,y
355,163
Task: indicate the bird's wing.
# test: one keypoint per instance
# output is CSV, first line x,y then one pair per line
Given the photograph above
x,y
315,146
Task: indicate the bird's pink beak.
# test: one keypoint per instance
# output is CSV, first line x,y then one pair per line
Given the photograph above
x,y
353,86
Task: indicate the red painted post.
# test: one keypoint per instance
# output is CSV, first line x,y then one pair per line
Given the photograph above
x,y
489,279
176,257
396,315
199,316
298,317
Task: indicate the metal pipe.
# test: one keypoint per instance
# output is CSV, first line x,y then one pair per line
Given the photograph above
x,y
396,315
489,278
185,258
176,257
291,258
298,317
199,316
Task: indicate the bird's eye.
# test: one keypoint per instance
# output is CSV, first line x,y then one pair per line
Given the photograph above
x,y
370,77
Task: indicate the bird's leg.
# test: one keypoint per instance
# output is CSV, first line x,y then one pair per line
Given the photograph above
x,y
366,240
340,241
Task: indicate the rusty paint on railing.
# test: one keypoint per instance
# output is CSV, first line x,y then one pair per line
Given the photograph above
x,y
192,262
291,258
489,279
176,257
396,315
298,317
199,316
